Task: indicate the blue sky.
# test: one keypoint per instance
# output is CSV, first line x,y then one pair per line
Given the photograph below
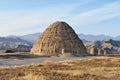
x,y
20,17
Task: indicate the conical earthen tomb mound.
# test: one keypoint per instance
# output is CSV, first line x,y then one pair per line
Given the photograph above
x,y
58,39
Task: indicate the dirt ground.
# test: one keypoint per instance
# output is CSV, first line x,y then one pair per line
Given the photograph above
x,y
104,68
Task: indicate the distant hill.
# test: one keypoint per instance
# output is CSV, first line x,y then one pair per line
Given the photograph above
x,y
26,41
117,38
34,36
94,37
11,42
30,37
84,41
109,45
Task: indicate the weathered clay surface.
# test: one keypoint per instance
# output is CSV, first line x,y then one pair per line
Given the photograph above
x,y
58,38
97,51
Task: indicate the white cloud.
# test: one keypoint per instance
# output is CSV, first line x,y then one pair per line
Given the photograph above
x,y
97,15
15,21
24,21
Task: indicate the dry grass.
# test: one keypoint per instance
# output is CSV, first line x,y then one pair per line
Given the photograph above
x,y
106,68
32,77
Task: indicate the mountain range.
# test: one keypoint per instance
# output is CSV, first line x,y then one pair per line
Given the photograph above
x,y
27,41
88,37
30,37
16,43
111,46
85,37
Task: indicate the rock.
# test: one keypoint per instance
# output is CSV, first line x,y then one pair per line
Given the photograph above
x,y
97,51
23,48
9,51
105,52
93,51
110,46
13,42
100,52
59,38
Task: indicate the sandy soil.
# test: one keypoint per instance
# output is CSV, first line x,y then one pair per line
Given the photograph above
x,y
26,61
100,68
12,61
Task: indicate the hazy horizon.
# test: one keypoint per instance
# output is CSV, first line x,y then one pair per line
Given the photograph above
x,y
42,32
94,17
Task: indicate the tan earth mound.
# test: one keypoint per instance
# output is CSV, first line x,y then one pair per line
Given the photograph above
x,y
59,38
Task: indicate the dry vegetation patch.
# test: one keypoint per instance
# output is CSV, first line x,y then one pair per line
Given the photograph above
x,y
84,69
